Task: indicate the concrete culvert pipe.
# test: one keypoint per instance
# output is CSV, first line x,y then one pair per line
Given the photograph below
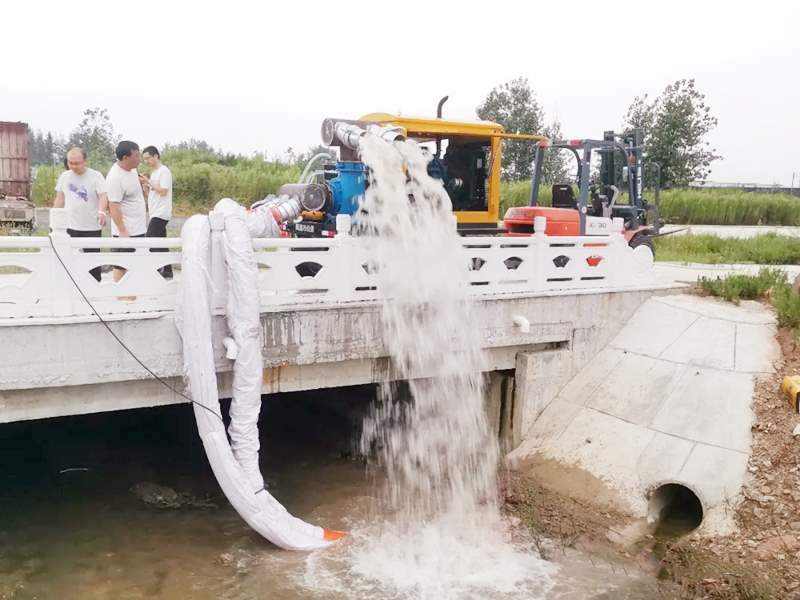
x,y
674,510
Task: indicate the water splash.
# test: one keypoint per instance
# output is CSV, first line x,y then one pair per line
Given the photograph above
x,y
445,537
434,442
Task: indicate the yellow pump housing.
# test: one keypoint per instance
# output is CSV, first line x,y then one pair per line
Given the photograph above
x,y
483,208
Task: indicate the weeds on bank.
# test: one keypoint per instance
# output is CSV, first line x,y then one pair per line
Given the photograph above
x,y
769,284
749,287
768,249
787,304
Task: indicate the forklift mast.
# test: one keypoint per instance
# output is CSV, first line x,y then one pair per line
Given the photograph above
x,y
622,159
608,166
612,163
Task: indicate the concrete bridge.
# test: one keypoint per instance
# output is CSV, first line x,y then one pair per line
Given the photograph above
x,y
537,298
583,365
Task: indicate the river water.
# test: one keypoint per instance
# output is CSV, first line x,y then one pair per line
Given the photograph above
x,y
85,535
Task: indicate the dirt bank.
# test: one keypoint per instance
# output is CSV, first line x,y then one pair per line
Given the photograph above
x,y
760,561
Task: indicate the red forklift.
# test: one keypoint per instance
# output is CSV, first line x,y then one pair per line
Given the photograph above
x,y
598,202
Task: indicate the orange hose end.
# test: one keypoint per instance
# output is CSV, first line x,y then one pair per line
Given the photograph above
x,y
331,535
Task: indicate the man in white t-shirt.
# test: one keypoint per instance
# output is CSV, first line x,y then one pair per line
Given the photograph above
x,y
125,198
82,191
159,200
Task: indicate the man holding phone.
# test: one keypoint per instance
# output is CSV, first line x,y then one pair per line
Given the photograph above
x,y
159,200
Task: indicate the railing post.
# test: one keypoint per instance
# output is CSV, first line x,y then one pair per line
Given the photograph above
x,y
540,245
63,290
219,279
346,257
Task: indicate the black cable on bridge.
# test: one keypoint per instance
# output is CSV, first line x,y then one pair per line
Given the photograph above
x,y
158,378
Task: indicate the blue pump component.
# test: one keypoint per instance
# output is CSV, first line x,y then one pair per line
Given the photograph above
x,y
437,169
348,187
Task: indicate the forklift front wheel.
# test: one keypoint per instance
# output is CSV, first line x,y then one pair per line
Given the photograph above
x,y
642,239
643,250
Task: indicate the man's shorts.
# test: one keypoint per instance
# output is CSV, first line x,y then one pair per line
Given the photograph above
x,y
141,235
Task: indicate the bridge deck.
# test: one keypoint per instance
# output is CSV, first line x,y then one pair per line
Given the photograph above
x,y
320,314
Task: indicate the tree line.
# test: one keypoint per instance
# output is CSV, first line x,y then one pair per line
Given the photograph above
x,y
674,125
95,133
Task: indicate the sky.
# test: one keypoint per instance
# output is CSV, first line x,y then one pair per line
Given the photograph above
x,y
261,76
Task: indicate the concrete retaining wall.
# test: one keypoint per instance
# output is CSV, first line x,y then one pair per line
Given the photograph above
x,y
668,400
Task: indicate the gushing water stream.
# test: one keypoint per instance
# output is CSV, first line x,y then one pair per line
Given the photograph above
x,y
445,537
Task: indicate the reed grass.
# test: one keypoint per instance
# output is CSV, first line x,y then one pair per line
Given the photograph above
x,y
768,249
203,178
692,206
199,180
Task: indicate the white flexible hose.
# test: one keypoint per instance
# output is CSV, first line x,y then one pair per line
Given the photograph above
x,y
243,316
236,469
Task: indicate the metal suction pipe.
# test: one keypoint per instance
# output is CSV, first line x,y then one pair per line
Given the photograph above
x,y
349,135
283,208
312,196
289,208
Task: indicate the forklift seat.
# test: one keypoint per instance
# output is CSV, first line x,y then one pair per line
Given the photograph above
x,y
564,196
598,199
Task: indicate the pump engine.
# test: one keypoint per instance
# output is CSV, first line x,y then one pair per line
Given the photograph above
x,y
309,209
467,160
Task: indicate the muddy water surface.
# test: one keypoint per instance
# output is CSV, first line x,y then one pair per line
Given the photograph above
x,y
83,533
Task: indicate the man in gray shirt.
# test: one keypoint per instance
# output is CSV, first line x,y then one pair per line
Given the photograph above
x,y
125,198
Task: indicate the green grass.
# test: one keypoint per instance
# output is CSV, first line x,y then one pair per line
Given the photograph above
x,y
768,249
202,182
768,284
202,178
518,193
729,207
199,179
787,304
738,287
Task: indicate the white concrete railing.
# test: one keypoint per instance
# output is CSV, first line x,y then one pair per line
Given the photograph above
x,y
292,271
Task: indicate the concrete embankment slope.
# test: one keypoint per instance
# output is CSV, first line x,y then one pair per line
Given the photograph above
x,y
668,401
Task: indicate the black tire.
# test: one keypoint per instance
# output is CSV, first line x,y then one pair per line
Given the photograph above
x,y
642,239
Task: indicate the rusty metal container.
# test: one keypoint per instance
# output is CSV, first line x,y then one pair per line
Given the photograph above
x,y
16,208
15,159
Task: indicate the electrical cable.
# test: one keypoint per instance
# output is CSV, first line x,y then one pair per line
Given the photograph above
x,y
121,343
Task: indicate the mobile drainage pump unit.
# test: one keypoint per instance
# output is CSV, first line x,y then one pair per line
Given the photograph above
x,y
470,169
466,159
